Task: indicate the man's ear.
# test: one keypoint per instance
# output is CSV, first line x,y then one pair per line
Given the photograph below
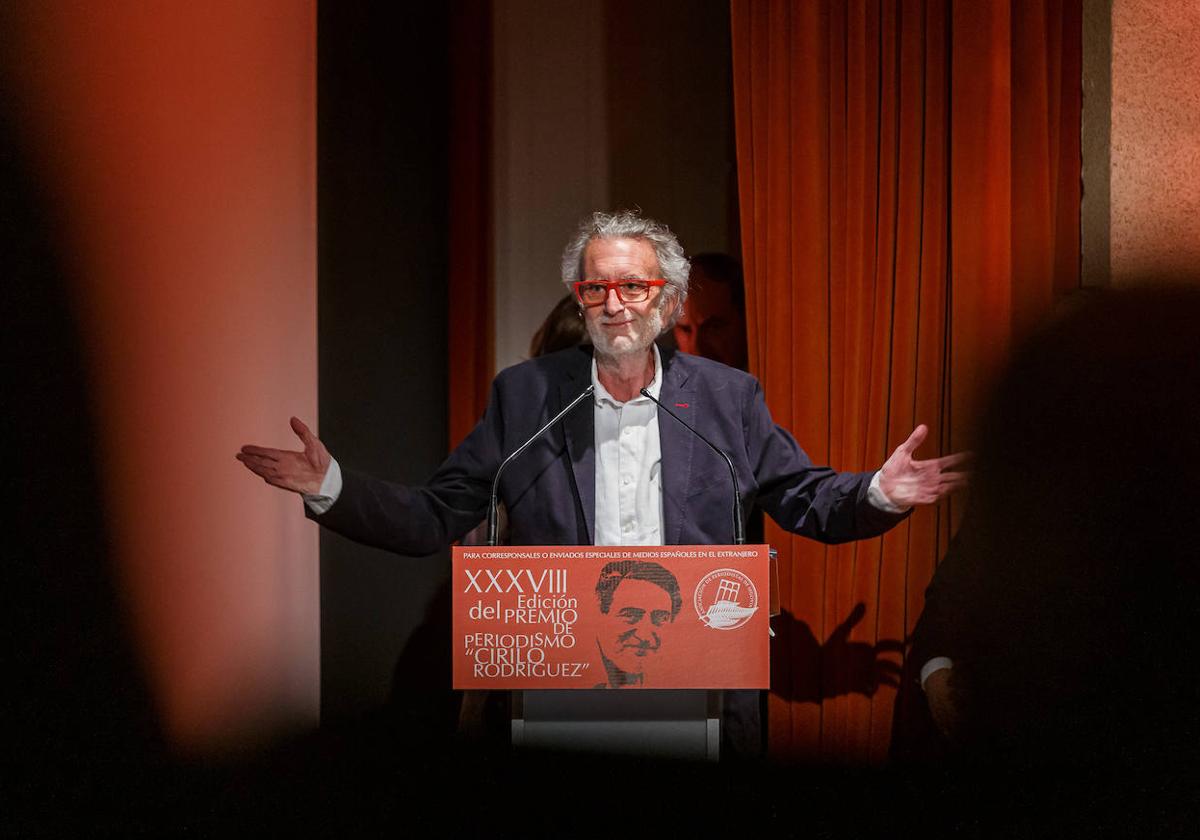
x,y
672,309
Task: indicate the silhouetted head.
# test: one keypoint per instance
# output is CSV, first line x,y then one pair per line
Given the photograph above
x,y
562,328
713,321
1082,524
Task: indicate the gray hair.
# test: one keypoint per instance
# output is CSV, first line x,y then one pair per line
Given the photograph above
x,y
630,224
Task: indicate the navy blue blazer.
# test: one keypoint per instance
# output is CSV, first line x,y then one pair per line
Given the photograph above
x,y
550,489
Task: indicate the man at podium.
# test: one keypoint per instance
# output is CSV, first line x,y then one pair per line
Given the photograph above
x,y
614,471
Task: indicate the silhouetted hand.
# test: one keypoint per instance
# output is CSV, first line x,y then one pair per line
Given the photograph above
x,y
300,472
907,481
839,666
942,695
857,667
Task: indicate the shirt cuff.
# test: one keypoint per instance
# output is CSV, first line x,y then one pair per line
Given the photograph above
x,y
331,488
879,499
938,663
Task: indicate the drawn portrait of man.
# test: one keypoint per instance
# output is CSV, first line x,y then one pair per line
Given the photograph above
x,y
637,599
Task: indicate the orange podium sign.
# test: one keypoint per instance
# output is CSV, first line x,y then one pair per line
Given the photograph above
x,y
680,616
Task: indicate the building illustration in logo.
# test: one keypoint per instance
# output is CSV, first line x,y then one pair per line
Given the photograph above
x,y
725,599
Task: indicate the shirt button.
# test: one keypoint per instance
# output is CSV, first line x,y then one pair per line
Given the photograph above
x,y
627,479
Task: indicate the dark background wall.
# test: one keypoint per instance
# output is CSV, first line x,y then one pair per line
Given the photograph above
x,y
382,189
670,117
604,103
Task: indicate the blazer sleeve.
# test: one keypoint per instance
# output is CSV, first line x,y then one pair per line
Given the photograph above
x,y
806,499
945,625
418,521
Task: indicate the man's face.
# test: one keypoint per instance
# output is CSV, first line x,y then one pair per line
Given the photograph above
x,y
710,325
617,328
630,630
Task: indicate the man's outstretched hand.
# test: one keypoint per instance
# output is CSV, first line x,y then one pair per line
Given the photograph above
x,y
300,472
908,482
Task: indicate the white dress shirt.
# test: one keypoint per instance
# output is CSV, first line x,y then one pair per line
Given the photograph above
x,y
629,497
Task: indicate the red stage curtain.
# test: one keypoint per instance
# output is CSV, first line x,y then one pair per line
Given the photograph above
x,y
471,335
908,175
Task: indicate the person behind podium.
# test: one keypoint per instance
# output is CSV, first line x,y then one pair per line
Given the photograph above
x,y
637,599
614,471
712,322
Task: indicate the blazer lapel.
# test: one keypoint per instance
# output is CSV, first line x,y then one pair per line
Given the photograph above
x,y
579,430
676,444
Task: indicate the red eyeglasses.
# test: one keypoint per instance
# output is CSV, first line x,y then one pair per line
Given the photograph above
x,y
595,292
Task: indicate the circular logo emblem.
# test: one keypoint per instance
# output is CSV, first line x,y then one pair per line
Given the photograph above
x,y
725,599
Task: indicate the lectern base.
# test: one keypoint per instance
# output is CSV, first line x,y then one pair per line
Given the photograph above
x,y
659,724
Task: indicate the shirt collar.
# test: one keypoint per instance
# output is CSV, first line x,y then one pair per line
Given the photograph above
x,y
602,395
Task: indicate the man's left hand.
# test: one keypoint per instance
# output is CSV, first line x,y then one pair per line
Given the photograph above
x,y
907,481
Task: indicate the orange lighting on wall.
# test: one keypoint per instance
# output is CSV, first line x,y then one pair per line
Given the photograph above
x,y
178,144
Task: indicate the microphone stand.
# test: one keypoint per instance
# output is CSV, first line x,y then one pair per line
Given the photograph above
x,y
739,527
492,520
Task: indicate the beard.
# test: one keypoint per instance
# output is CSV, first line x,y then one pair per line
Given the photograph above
x,y
636,336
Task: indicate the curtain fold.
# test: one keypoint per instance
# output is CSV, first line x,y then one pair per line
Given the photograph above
x,y
909,205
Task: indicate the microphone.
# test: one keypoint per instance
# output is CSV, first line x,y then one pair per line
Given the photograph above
x,y
493,523
739,528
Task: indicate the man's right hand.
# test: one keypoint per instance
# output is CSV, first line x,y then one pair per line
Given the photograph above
x,y
300,472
